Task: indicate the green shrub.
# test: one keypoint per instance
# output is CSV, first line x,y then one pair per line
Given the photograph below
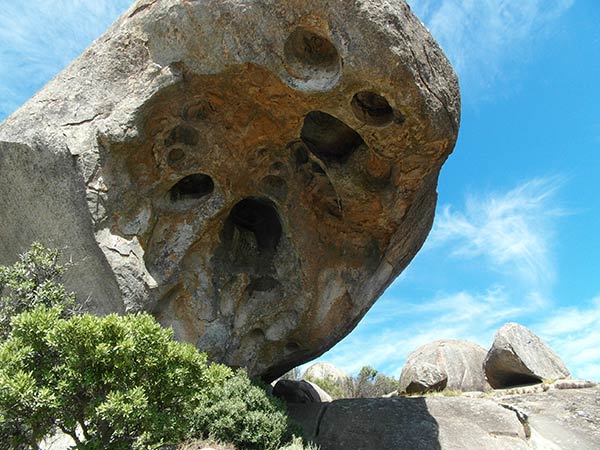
x,y
238,411
113,382
122,381
33,280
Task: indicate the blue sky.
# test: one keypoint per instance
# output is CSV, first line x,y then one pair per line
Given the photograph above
x,y
516,231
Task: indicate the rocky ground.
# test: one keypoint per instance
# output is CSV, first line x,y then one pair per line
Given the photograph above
x,y
531,418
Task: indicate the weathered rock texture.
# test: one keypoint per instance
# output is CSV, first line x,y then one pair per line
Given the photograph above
x,y
300,391
519,357
559,418
411,424
457,365
554,420
252,172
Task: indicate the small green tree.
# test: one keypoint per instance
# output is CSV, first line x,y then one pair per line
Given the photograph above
x,y
370,383
34,280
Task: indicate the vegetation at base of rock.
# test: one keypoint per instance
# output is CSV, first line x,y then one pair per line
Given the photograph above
x,y
33,280
239,412
115,382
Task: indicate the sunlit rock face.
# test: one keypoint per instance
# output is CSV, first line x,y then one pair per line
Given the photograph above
x,y
254,173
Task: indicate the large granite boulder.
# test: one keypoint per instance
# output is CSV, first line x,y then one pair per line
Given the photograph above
x,y
519,357
452,364
253,173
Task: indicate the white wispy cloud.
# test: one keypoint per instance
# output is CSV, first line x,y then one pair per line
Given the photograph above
x,y
513,230
488,39
38,38
508,235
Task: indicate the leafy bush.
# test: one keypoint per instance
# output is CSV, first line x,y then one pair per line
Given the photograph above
x,y
238,411
34,280
113,382
122,381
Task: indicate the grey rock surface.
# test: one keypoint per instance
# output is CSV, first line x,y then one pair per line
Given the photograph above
x,y
519,357
254,173
422,378
417,423
560,418
300,391
459,362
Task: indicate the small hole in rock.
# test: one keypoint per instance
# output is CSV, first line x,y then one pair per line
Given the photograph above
x,y
292,347
176,156
263,284
372,109
192,187
182,134
299,151
260,217
328,137
311,57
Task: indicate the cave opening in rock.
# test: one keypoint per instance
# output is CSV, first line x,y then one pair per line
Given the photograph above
x,y
260,217
192,187
328,137
372,109
517,379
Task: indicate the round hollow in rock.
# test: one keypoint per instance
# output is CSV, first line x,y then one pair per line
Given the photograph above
x,y
192,187
260,217
182,134
372,109
329,138
175,157
312,58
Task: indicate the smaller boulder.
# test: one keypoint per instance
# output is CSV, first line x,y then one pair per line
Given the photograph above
x,y
300,391
519,357
459,363
423,378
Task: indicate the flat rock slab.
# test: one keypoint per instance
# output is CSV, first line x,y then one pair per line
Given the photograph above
x,y
254,173
418,423
562,418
